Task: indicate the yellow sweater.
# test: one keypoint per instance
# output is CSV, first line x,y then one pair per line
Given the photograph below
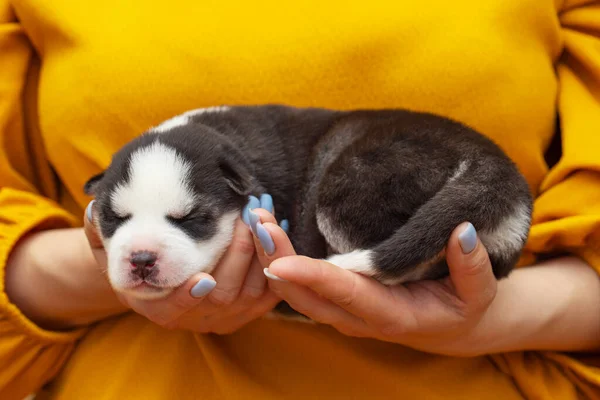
x,y
78,79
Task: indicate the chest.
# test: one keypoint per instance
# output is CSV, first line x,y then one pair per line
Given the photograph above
x,y
110,70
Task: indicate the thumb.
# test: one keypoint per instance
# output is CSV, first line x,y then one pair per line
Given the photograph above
x,y
89,227
270,239
470,268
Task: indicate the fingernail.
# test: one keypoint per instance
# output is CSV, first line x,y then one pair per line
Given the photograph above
x,y
203,287
254,219
468,239
266,202
88,211
269,275
252,203
285,225
265,239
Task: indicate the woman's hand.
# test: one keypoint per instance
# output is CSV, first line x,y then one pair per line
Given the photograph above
x,y
233,296
470,313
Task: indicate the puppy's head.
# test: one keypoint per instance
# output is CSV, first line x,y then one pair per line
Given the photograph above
x,y
166,207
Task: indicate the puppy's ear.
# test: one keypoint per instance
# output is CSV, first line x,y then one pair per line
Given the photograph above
x,y
90,186
236,170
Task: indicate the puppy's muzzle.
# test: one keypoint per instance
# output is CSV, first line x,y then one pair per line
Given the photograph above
x,y
143,263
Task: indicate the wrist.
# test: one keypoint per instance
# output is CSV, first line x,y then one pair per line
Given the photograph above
x,y
552,306
510,322
53,278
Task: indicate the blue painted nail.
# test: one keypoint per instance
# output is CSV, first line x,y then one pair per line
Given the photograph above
x,y
266,202
285,225
468,239
88,211
265,239
253,202
269,275
254,219
203,287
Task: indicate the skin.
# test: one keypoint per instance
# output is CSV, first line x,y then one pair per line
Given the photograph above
x,y
70,265
551,306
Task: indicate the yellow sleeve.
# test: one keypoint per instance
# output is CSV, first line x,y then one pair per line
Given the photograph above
x,y
29,355
567,212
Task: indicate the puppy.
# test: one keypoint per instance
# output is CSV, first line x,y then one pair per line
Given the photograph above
x,y
377,192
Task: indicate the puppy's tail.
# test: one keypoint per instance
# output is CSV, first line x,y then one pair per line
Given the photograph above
x,y
500,211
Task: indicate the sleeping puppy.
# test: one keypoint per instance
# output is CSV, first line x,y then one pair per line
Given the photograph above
x,y
376,192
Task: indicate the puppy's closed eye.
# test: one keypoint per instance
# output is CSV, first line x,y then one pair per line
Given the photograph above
x,y
121,218
194,216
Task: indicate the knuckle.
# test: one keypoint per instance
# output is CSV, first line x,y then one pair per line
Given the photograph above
x,y
184,302
348,297
485,299
243,245
251,293
346,300
316,272
478,264
222,297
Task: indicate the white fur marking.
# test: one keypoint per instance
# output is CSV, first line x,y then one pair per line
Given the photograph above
x,y
509,235
359,261
157,184
184,119
158,187
462,168
171,123
207,110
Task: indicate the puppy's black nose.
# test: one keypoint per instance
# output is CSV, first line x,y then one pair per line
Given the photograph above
x,y
142,262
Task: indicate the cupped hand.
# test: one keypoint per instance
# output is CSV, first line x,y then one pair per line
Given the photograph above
x,y
234,294
448,316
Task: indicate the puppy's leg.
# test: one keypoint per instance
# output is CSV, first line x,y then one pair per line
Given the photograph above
x,y
391,219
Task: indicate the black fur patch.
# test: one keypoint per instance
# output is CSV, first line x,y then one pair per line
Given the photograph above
x,y
385,178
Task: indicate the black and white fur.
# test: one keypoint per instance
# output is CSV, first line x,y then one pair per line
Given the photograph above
x,y
377,192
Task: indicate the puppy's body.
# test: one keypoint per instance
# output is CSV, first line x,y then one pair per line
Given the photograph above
x,y
376,192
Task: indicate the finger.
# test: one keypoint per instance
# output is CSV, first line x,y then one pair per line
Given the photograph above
x,y
270,239
231,322
255,284
260,215
231,271
91,233
253,289
90,228
253,203
266,203
306,301
319,309
285,225
165,310
470,268
357,294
